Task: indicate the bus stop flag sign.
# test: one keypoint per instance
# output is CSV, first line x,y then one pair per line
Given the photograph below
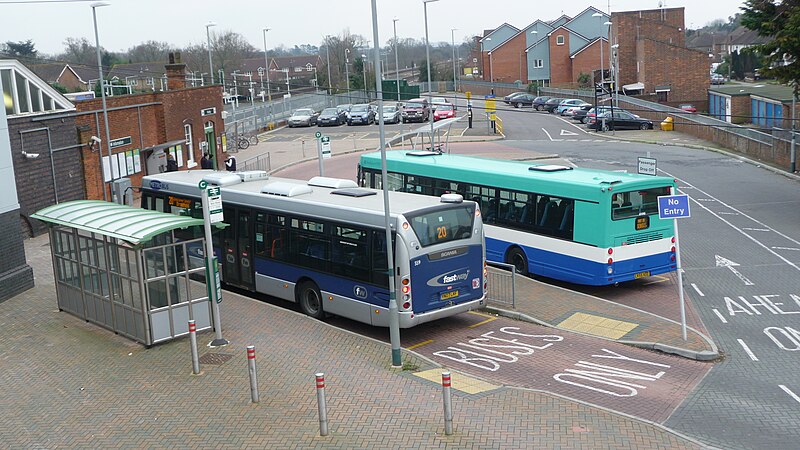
x,y
673,207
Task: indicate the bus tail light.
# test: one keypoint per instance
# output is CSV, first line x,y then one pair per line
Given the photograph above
x,y
610,251
610,261
672,249
406,290
673,239
406,305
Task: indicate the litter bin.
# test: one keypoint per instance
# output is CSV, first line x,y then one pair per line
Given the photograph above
x,y
667,125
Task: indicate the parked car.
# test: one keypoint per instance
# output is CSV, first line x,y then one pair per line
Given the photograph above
x,y
688,108
303,117
620,120
567,103
538,102
331,117
717,78
524,99
444,111
551,104
507,98
392,114
346,108
416,110
580,112
593,112
361,114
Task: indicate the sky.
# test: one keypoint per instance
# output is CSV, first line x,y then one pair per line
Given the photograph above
x,y
125,23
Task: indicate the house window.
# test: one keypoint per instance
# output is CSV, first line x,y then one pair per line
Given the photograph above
x,y
538,63
298,69
309,67
560,39
187,132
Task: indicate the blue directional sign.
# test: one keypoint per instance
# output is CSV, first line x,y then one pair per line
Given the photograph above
x,y
673,207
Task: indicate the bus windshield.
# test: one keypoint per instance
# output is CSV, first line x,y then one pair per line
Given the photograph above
x,y
443,225
625,205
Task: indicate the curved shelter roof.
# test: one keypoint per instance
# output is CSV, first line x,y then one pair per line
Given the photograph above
x,y
130,224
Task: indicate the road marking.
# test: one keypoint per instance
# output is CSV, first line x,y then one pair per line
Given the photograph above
x,y
698,290
660,279
726,213
789,391
568,133
747,349
490,319
597,325
755,229
721,317
366,135
548,135
459,381
786,248
420,344
722,262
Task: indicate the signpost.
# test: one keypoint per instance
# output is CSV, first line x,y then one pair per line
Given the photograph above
x,y
212,213
647,166
676,207
323,150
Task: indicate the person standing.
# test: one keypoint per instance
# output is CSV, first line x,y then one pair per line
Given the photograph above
x,y
205,162
172,164
230,164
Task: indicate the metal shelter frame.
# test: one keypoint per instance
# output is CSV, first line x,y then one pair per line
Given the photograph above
x,y
124,269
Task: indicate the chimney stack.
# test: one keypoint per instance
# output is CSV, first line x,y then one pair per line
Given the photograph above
x,y
176,72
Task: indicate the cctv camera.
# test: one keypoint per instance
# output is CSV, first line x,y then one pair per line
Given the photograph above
x,y
30,155
95,139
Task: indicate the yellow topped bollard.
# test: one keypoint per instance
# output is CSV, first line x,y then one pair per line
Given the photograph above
x,y
667,124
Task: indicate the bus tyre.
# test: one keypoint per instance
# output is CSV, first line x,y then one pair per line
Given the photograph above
x,y
310,299
517,259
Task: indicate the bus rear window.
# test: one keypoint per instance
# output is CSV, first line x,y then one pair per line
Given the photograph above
x,y
443,225
635,203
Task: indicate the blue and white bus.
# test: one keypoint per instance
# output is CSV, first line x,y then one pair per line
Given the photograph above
x,y
583,226
321,243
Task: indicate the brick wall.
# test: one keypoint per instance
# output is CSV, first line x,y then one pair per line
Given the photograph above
x,y
15,274
628,27
560,61
50,176
683,69
509,62
740,109
71,82
588,60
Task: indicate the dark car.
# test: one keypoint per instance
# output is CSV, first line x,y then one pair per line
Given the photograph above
x,y
580,113
416,110
551,104
593,112
620,120
331,117
507,98
524,99
361,114
538,102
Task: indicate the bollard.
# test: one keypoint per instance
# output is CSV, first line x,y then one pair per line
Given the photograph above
x,y
323,413
303,146
193,344
251,365
448,407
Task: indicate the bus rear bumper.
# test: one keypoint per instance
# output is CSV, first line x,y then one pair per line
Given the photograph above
x,y
380,316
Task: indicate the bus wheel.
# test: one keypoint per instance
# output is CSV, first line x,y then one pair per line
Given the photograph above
x,y
517,258
310,299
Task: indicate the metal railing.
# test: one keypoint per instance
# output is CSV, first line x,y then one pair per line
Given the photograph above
x,y
501,280
260,162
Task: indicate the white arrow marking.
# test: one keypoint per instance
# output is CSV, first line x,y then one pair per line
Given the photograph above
x,y
548,135
568,133
722,262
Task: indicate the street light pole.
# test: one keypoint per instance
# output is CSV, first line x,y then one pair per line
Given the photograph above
x,y
491,73
597,14
364,72
453,44
396,63
328,56
347,70
266,61
208,45
428,58
102,91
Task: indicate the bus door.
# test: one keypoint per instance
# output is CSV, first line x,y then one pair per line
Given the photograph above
x,y
237,247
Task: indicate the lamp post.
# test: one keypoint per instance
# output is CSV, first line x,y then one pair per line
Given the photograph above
x,y
527,75
102,88
347,71
364,72
453,44
428,58
484,73
396,63
208,45
266,61
491,73
328,57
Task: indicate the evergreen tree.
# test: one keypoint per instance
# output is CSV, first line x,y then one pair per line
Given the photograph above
x,y
780,21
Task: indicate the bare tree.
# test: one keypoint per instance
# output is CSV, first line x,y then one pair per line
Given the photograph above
x,y
149,51
79,51
228,49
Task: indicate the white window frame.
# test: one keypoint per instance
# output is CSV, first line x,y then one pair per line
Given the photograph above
x,y
560,39
187,133
538,63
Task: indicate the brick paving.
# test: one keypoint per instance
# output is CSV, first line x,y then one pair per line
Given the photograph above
x,y
70,384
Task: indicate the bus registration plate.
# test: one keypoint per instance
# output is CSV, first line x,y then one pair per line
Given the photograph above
x,y
641,275
449,295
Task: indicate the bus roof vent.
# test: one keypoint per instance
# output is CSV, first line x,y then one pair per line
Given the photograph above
x,y
284,189
354,192
253,175
423,153
333,183
222,178
451,198
549,168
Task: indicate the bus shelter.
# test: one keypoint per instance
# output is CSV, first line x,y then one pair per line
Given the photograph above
x,y
124,269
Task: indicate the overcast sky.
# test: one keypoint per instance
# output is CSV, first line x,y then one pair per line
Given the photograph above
x,y
125,23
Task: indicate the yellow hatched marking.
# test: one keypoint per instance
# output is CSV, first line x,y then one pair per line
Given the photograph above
x,y
461,382
420,344
597,325
660,279
489,319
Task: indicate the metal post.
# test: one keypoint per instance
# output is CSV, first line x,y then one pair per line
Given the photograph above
x,y
322,408
208,44
251,368
319,155
266,61
102,91
394,312
347,71
396,63
453,44
428,59
218,340
328,56
680,279
193,344
793,151
448,406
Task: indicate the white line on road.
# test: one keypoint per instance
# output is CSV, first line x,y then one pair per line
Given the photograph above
x,y
785,248
721,317
755,229
698,290
789,391
548,134
747,349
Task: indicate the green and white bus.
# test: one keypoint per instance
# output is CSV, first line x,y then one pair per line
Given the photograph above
x,y
583,226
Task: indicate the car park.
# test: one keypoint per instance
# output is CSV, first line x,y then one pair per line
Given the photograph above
x,y
331,117
619,120
538,102
551,104
592,112
416,110
361,114
717,78
524,99
444,111
392,114
303,117
507,98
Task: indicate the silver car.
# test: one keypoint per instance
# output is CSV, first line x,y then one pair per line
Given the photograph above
x,y
303,117
392,114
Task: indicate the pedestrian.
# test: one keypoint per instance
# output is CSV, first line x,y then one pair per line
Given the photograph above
x,y
172,165
230,164
205,162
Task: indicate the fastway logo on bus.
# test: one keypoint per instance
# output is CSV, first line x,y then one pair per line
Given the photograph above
x,y
157,185
448,278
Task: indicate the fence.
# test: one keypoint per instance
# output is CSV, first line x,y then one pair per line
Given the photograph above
x,y
260,162
502,284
